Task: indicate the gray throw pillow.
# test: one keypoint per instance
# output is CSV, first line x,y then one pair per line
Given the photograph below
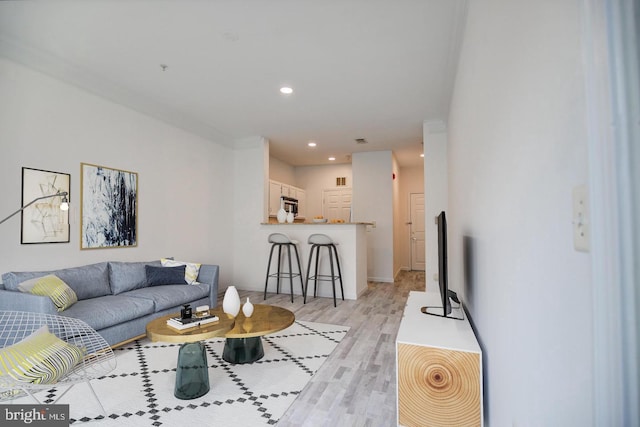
x,y
165,275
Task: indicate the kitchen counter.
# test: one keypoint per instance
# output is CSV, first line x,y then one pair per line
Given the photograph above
x,y
351,241
317,223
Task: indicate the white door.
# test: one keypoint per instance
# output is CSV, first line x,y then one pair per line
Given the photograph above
x,y
417,231
336,204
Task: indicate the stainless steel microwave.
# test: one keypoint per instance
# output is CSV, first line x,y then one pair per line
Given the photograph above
x,y
290,204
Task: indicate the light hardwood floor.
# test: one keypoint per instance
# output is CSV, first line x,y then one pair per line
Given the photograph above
x,y
356,386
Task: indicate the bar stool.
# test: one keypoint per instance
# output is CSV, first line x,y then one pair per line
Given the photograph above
x,y
318,241
279,240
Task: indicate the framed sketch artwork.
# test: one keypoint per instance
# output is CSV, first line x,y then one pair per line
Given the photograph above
x,y
44,221
109,207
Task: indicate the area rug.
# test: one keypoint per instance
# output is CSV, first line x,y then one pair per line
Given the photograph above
x,y
139,392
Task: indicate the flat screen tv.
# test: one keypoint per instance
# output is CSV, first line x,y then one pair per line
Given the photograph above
x,y
446,295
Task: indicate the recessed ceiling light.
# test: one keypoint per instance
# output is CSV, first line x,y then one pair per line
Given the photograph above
x,y
421,154
332,158
312,144
286,90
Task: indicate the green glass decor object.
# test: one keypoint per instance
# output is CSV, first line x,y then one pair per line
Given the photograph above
x,y
192,373
243,350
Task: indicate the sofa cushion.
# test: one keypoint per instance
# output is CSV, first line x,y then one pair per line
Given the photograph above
x,y
127,276
53,287
109,310
167,296
87,281
40,358
165,275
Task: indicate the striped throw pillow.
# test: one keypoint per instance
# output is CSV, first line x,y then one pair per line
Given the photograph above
x,y
53,287
191,269
40,358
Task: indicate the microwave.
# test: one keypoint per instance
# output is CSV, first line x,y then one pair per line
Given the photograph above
x,y
290,204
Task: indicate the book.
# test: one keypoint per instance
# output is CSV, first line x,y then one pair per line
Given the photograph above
x,y
181,324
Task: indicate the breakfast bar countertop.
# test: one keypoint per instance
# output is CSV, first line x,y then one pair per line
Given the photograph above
x,y
317,223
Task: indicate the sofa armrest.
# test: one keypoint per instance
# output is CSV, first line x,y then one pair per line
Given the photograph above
x,y
20,301
209,274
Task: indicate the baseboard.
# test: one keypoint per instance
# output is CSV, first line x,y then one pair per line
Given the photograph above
x,y
380,279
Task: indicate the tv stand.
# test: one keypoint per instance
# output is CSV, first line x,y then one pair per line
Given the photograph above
x,y
457,313
439,368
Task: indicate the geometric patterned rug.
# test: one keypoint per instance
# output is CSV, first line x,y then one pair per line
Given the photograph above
x,y
139,392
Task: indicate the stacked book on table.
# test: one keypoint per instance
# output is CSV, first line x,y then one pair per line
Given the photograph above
x,y
180,324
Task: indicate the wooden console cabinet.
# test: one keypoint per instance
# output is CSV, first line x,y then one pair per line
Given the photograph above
x,y
439,368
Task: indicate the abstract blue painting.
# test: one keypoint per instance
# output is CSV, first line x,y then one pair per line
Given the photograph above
x,y
109,207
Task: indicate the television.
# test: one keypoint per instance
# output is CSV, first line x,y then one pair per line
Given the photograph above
x,y
446,295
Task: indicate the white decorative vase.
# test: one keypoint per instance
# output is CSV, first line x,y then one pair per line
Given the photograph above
x,y
231,301
290,216
282,214
247,308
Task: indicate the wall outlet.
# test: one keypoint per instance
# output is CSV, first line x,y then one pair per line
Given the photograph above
x,y
580,219
436,278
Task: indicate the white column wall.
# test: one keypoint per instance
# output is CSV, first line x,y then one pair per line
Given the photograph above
x,y
373,201
435,197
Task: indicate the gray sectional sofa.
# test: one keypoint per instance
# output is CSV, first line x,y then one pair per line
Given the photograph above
x,y
114,298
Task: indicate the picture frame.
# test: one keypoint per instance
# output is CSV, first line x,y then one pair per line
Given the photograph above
x,y
109,207
43,221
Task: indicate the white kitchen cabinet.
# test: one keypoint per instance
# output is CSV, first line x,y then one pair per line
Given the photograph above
x,y
275,191
291,191
302,202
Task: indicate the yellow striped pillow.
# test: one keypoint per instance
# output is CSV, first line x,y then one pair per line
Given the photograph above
x,y
41,358
190,272
53,287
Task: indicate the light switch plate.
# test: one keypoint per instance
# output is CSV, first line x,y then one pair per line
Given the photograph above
x,y
580,219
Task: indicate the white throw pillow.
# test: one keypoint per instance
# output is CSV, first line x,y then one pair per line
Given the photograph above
x,y
190,272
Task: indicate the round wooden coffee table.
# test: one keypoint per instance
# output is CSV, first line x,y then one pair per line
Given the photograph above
x,y
243,343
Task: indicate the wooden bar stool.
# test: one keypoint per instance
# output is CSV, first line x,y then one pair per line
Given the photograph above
x,y
318,241
279,240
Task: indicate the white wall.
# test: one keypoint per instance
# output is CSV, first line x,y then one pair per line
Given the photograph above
x,y
435,197
183,179
282,172
315,179
516,149
373,201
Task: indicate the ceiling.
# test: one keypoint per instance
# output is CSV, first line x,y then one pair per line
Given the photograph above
x,y
359,68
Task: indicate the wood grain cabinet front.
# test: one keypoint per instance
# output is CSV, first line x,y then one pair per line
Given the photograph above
x,y
439,369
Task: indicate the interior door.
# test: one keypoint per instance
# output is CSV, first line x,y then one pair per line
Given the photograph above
x,y
336,204
417,231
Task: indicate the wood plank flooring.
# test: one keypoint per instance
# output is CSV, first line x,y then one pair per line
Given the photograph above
x,y
356,386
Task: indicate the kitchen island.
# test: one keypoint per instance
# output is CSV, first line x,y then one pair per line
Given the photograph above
x,y
351,243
